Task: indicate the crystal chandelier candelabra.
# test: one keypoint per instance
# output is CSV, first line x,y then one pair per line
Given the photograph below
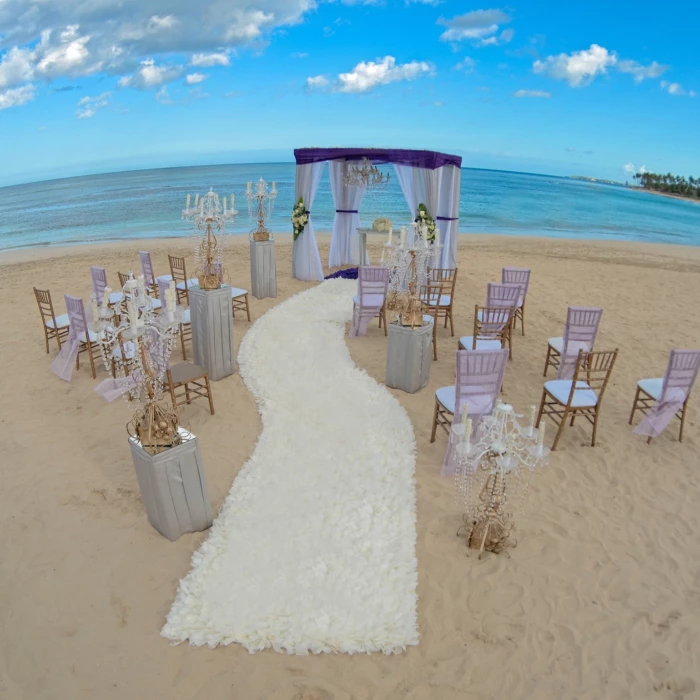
x,y
136,347
262,201
365,174
408,263
209,219
493,474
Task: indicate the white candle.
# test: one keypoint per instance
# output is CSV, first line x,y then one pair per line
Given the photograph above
x,y
188,202
468,433
391,235
437,236
382,260
224,205
201,205
532,418
105,297
95,311
250,184
232,207
540,441
274,188
465,413
196,200
403,236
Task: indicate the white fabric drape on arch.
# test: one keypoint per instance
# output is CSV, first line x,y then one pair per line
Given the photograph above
x,y
306,262
438,189
345,241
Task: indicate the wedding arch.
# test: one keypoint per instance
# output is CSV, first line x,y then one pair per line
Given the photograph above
x,y
426,177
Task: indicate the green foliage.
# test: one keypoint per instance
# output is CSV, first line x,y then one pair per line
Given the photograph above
x,y
674,184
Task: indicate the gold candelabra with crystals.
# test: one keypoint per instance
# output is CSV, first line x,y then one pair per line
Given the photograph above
x,y
493,474
209,218
265,199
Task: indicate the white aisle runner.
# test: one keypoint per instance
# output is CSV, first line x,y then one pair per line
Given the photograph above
x,y
314,547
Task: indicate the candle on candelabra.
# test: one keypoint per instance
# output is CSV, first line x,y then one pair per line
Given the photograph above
x,y
540,440
391,236
95,311
224,206
403,236
381,262
533,409
274,187
232,207
249,186
437,236
141,283
465,413
196,200
188,202
201,205
105,297
468,434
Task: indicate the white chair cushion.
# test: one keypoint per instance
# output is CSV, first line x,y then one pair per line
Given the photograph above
x,y
652,386
62,321
185,317
477,405
116,298
481,344
444,300
556,344
584,396
427,318
155,303
164,277
192,282
237,292
93,337
370,300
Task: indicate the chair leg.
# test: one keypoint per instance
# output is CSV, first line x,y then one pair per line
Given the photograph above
x,y
561,429
573,418
247,308
634,405
680,434
182,343
46,339
92,359
435,338
187,393
522,318
385,328
211,399
172,395
541,411
595,428
435,419
546,362
452,328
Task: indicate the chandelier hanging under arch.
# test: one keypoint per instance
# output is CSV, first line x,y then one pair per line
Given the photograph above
x,y
365,174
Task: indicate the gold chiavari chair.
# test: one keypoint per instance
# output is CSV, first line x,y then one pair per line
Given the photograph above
x,y
582,395
55,327
447,279
187,383
493,327
430,295
183,283
239,301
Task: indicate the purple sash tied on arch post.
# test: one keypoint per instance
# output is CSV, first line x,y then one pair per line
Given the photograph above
x,y
347,211
446,218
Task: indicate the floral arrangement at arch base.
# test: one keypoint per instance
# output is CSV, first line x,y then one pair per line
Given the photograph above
x,y
300,217
381,225
423,218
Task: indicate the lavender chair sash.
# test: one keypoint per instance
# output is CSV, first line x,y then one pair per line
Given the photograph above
x,y
99,282
479,378
681,373
580,334
517,275
146,267
372,285
64,362
502,295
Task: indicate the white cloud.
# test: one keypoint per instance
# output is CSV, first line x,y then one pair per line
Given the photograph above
x,y
367,75
640,72
480,26
317,81
531,93
163,96
194,78
676,89
150,75
88,106
578,68
629,168
207,60
131,39
300,54
14,97
466,64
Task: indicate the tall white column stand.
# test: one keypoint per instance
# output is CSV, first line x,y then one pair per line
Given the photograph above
x,y
173,487
362,233
211,317
263,270
408,357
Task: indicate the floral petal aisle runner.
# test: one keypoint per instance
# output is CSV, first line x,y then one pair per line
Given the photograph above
x,y
314,547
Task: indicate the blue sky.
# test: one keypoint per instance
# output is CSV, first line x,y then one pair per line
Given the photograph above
x,y
597,89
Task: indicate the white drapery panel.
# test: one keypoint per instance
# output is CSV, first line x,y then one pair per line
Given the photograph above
x,y
306,262
447,218
345,241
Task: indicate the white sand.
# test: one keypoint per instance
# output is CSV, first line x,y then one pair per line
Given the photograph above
x,y
600,599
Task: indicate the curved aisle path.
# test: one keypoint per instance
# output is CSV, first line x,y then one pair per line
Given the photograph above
x,y
314,547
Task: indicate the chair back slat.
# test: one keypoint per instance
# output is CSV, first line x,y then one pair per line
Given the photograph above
x,y
123,278
594,368
372,280
479,375
681,373
582,326
517,275
146,267
99,281
76,315
504,295
446,277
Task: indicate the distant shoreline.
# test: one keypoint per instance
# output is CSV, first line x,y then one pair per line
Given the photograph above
x,y
671,195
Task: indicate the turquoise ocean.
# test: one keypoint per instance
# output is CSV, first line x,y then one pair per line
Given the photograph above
x,y
148,203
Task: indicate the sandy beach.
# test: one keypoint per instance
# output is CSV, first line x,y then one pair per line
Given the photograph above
x,y
600,598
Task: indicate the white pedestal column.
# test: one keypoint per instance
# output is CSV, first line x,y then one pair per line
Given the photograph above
x,y
263,270
408,357
211,317
173,487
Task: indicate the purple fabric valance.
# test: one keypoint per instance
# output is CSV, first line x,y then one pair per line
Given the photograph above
x,y
417,159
